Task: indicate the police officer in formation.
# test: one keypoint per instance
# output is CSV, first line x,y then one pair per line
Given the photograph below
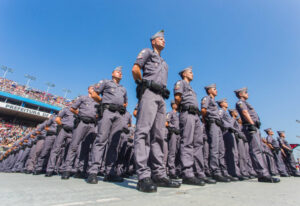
x,y
201,145
151,116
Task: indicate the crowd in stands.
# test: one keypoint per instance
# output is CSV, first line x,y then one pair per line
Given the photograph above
x,y
13,87
11,131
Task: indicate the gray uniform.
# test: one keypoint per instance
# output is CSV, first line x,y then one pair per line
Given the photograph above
x,y
87,113
253,137
277,155
110,127
231,154
270,159
241,141
215,137
38,146
63,139
290,159
191,144
49,140
149,134
173,141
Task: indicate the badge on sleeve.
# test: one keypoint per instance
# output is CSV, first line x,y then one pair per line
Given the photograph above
x,y
203,100
177,86
141,54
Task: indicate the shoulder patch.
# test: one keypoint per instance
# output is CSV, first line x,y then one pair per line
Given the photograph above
x,y
140,55
203,100
177,85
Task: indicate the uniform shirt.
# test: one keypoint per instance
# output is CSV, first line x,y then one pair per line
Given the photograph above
x,y
173,119
188,95
212,111
272,141
126,119
41,128
282,141
154,66
86,106
244,105
67,117
52,124
228,121
112,93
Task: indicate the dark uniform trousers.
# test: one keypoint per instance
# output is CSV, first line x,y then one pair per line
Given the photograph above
x,y
109,132
82,130
57,148
149,136
191,145
231,154
36,151
256,153
44,156
173,144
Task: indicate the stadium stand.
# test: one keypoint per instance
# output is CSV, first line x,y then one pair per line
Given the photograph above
x,y
21,109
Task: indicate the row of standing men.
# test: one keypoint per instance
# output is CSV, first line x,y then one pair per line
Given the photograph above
x,y
201,146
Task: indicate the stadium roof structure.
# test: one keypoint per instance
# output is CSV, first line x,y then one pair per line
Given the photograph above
x,y
31,101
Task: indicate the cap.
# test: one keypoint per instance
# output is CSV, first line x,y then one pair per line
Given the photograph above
x,y
186,69
158,34
210,86
241,90
119,68
221,100
268,130
280,132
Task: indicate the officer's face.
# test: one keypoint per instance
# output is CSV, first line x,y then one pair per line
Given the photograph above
x,y
188,74
213,91
224,104
159,43
244,94
117,74
91,90
174,106
271,133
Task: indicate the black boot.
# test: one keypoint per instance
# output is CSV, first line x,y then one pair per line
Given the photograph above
x,y
166,182
268,179
220,178
92,179
173,177
28,172
284,175
49,174
233,179
208,180
37,172
193,181
113,178
296,174
146,185
242,178
80,175
65,175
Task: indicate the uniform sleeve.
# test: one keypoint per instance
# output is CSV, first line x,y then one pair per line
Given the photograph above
x,y
179,88
240,105
143,57
98,88
77,103
62,113
204,102
168,117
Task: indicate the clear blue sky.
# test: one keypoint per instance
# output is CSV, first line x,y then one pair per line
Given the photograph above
x,y
232,43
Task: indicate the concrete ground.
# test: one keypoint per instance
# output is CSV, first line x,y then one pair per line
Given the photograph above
x,y
21,189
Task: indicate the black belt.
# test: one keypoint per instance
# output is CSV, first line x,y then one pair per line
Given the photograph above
x,y
51,133
114,108
190,109
173,130
152,86
67,129
216,121
87,120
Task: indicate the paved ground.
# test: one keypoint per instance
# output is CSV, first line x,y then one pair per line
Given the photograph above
x,y
21,189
